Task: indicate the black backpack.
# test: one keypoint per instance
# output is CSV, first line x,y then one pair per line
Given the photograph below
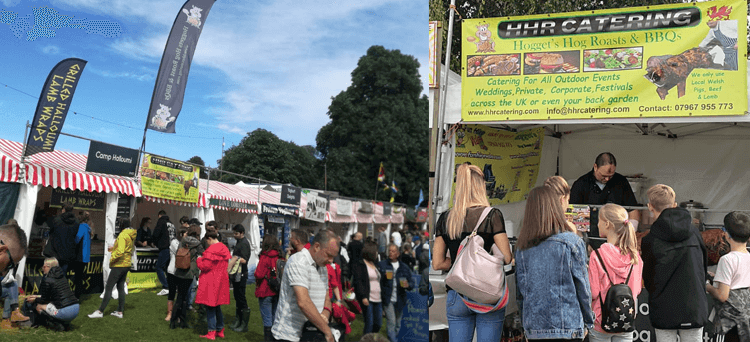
x,y
274,278
618,308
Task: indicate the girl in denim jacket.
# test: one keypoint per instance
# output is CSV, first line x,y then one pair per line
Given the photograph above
x,y
619,254
452,227
553,297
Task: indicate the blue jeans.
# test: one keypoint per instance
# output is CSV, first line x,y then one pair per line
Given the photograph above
x,y
161,267
215,318
393,320
10,293
373,317
193,288
67,313
462,321
268,309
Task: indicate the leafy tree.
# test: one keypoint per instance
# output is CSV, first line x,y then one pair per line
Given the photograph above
x,y
470,9
261,154
199,161
380,117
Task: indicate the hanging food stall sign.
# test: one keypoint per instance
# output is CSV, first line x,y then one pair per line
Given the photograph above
x,y
510,161
658,61
387,208
169,179
81,200
344,207
111,159
280,210
290,194
231,204
316,207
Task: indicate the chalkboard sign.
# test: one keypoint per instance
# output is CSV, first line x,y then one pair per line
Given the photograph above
x,y
415,322
123,212
81,200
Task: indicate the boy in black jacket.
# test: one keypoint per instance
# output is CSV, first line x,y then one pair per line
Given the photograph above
x,y
674,270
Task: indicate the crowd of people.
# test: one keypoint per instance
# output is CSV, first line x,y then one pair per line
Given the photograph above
x,y
302,292
564,290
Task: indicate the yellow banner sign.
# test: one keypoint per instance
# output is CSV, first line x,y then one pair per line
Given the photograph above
x,y
432,74
658,61
510,161
169,179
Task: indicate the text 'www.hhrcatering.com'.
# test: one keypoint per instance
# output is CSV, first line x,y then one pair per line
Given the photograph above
x,y
504,112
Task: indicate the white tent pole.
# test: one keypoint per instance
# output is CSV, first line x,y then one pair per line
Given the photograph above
x,y
436,198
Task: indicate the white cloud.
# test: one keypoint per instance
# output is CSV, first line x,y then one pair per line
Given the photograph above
x,y
10,3
51,50
231,129
281,70
131,75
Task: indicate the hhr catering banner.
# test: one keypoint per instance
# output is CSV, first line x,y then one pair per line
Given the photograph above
x,y
657,61
169,179
510,161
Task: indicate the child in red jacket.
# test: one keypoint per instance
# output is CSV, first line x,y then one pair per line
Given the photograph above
x,y
213,284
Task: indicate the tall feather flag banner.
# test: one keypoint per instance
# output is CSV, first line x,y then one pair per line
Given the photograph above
x,y
381,173
53,105
169,91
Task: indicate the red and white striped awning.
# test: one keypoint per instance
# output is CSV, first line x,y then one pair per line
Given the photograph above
x,y
9,167
65,170
202,201
230,192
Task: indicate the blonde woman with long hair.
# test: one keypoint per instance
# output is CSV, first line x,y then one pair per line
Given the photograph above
x,y
470,200
619,255
561,188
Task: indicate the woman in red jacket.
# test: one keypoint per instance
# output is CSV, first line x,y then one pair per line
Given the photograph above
x,y
213,284
267,298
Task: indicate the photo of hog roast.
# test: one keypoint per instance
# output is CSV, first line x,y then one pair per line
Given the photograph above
x,y
668,71
494,65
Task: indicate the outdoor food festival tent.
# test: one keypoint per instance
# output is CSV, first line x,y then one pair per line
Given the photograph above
x,y
702,159
61,170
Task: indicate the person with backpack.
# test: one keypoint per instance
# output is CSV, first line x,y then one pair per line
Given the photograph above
x,y
185,271
615,274
554,293
452,228
266,275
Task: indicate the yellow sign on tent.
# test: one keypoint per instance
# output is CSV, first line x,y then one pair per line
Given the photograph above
x,y
658,61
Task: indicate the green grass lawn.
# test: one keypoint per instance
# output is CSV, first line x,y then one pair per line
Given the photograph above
x,y
144,321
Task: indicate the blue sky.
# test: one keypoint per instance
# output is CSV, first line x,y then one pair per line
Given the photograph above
x,y
258,64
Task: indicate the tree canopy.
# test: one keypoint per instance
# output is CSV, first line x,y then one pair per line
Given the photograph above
x,y
469,9
380,117
199,161
261,154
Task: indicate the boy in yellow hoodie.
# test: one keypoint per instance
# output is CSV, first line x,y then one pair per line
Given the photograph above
x,y
119,264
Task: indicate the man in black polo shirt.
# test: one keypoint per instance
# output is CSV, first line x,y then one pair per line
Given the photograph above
x,y
603,185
